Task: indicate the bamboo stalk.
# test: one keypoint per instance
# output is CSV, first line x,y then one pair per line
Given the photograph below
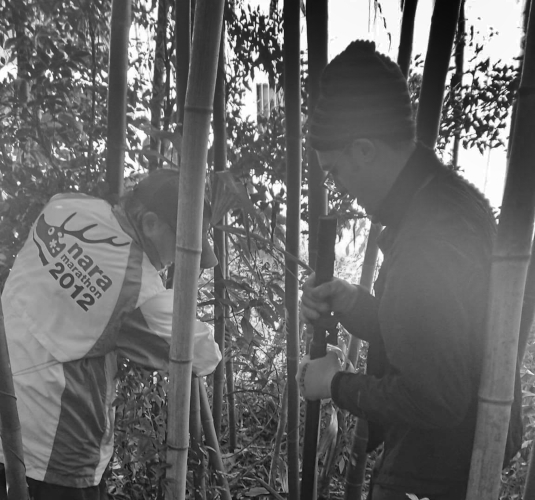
x,y
318,349
10,430
117,88
508,276
198,109
231,404
456,84
183,52
221,310
437,60
317,22
196,453
406,36
281,426
212,444
292,99
158,88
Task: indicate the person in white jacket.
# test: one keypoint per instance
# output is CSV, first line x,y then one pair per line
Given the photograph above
x,y
86,288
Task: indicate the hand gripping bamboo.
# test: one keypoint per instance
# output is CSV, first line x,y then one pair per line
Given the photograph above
x,y
318,349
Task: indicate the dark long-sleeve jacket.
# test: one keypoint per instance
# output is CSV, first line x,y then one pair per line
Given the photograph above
x,y
425,326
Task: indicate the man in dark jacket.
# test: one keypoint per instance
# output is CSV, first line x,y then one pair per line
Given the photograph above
x,y
425,323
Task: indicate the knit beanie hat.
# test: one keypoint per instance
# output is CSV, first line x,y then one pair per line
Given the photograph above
x,y
363,94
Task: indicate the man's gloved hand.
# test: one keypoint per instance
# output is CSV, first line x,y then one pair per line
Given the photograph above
x,y
336,296
314,376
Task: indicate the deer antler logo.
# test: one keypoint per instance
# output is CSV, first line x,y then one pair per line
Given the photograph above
x,y
52,237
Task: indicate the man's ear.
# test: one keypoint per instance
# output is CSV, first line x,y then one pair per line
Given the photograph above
x,y
363,151
149,224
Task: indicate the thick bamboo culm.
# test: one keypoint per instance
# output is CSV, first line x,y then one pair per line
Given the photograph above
x,y
526,322
10,430
212,444
317,22
197,116
183,52
117,87
158,82
508,276
196,453
437,61
233,441
281,426
292,99
221,309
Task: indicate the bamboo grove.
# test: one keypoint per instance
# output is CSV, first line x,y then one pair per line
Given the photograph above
x,y
240,432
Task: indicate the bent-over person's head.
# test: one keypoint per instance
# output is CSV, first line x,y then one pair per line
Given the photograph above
x,y
152,205
362,125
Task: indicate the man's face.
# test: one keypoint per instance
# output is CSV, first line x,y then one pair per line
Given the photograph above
x,y
356,173
163,238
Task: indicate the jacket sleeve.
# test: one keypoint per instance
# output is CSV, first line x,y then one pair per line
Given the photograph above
x,y
145,337
426,319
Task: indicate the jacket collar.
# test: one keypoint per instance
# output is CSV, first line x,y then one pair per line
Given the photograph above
x,y
420,169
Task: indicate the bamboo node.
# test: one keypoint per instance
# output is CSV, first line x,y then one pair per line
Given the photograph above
x,y
502,402
520,257
180,361
189,250
177,448
199,109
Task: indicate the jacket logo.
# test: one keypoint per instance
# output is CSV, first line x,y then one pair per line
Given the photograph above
x,y
73,268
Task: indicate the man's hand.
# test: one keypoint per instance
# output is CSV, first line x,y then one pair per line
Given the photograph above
x,y
336,296
315,376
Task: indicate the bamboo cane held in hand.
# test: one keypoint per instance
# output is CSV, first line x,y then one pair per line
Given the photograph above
x,y
292,99
318,349
10,425
198,109
508,275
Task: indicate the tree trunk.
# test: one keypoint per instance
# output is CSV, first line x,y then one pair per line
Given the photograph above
x,y
221,310
508,277
117,89
198,110
437,60
292,100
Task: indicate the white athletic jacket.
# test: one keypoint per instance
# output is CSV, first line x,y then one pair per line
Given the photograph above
x,y
82,291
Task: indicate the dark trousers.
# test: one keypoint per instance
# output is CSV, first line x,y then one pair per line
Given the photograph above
x,y
40,490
